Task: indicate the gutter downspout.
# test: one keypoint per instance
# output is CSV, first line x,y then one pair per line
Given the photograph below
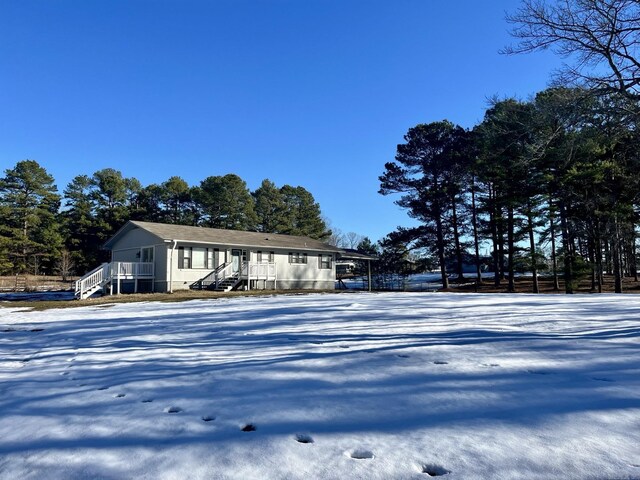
x,y
173,248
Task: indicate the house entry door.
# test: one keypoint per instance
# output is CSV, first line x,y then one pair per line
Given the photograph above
x,y
235,260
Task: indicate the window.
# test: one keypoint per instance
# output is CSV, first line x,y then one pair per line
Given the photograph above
x,y
295,257
324,261
146,254
198,257
265,257
184,257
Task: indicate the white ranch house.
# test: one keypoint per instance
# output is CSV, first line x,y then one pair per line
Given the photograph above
x,y
157,257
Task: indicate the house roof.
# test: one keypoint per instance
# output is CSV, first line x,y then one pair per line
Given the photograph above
x,y
351,254
217,236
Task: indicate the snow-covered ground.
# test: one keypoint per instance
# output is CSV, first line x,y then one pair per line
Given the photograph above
x,y
366,386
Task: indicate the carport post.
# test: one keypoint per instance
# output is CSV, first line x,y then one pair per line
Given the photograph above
x,y
369,273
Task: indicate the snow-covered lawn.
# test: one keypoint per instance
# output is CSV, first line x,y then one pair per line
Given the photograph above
x,y
367,386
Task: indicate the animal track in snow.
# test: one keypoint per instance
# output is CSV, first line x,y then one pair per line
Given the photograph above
x,y
440,362
172,409
103,388
359,454
146,400
434,470
302,438
208,418
119,395
249,427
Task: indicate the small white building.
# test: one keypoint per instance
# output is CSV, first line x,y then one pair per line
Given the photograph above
x,y
157,257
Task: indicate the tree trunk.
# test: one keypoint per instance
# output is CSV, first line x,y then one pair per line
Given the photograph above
x,y
617,258
456,237
511,248
494,237
532,246
474,221
440,247
554,258
568,250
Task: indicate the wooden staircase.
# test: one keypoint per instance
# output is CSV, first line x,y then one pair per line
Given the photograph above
x,y
21,284
222,279
228,284
92,282
109,275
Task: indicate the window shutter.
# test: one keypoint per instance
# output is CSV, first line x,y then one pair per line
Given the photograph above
x,y
180,257
320,261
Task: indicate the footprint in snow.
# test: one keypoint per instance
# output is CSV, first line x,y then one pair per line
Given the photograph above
x,y
302,438
146,400
440,362
172,409
103,388
360,454
119,395
208,418
434,470
249,427
345,346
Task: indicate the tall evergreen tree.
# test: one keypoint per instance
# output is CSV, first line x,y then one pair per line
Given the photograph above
x,y
303,215
28,203
271,210
225,202
423,172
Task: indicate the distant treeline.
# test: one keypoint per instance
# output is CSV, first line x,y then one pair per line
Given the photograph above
x,y
42,231
552,183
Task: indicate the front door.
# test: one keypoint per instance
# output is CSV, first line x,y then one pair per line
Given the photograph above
x,y
235,260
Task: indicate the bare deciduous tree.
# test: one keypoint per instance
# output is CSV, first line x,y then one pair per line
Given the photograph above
x,y
65,265
600,39
352,239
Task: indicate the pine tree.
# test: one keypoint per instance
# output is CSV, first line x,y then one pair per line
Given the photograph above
x,y
225,202
28,204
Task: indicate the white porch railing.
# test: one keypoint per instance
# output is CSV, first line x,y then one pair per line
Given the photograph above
x,y
127,270
259,271
110,273
91,281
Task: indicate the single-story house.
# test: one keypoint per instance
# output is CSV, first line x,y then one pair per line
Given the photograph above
x,y
157,257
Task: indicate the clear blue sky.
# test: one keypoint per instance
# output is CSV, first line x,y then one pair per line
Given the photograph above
x,y
315,93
